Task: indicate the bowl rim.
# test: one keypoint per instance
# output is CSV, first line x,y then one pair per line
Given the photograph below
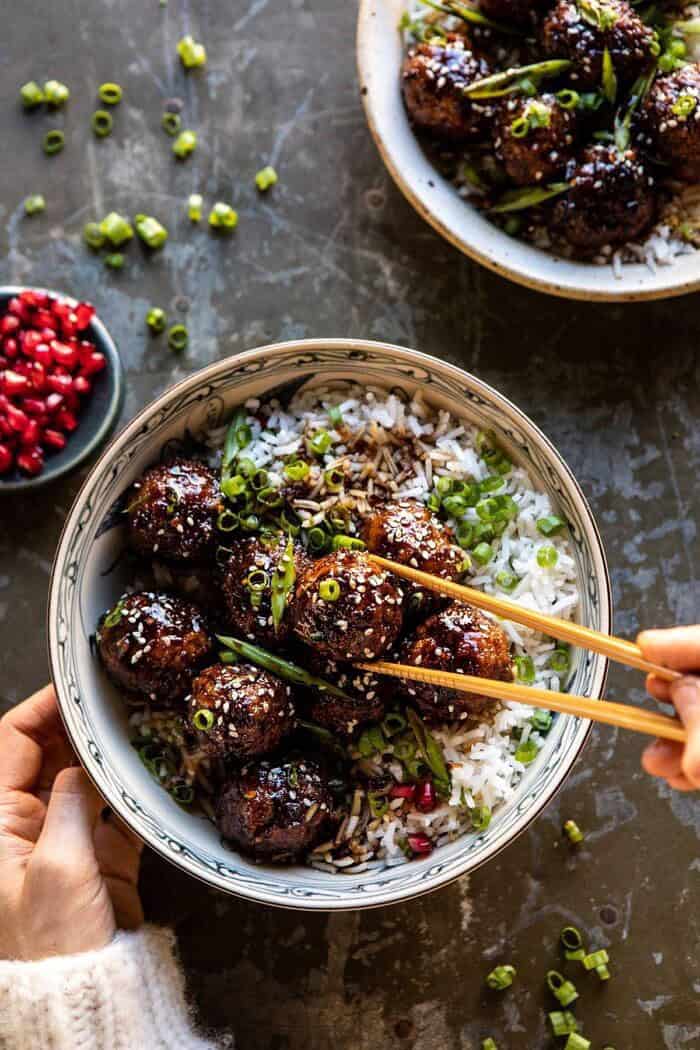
x,y
251,890
116,392
568,286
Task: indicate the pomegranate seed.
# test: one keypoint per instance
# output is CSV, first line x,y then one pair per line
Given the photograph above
x,y
404,791
426,798
42,354
6,430
60,384
14,384
34,298
19,309
93,363
34,406
44,319
6,459
81,385
30,340
9,324
64,355
31,435
84,313
11,348
16,418
420,844
30,461
54,402
65,420
38,377
54,439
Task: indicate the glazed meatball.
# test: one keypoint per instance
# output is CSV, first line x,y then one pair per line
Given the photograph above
x,y
671,122
172,511
582,33
239,710
369,695
460,639
276,811
247,586
534,138
347,609
407,532
433,77
611,199
154,644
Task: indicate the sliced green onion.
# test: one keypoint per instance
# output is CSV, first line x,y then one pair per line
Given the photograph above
x,y
501,977
329,590
93,235
603,972
31,95
609,79
178,338
56,93
115,260
183,794
249,522
151,232
507,581
577,1042
156,320
467,14
378,804
185,144
171,123
573,832
351,543
266,178
223,217
320,442
270,497
488,1044
334,478
318,539
54,141
34,204
563,1022
562,990
257,580
114,615
259,479
492,483
194,207
568,98
234,487
541,721
595,959
526,752
571,938
203,719
684,106
559,661
528,197
510,80
482,553
297,470
191,53
547,556
432,753
227,521
282,668
455,505
282,584
550,525
110,94
335,416
102,123
116,229
371,742
393,723
525,669
481,818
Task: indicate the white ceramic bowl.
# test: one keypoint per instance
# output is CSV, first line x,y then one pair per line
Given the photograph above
x,y
379,57
81,589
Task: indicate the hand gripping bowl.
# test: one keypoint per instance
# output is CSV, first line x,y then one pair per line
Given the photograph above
x,y
379,56
82,587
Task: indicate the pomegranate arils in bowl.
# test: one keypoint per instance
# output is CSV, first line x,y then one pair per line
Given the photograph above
x,y
47,361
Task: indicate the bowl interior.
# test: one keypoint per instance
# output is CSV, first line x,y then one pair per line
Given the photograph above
x,y
97,418
85,583
379,54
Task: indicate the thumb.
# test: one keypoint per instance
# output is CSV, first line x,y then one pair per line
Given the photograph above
x,y
685,694
71,815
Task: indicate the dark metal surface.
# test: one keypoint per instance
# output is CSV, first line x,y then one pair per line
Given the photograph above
x,y
335,250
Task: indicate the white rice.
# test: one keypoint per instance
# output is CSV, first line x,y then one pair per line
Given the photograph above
x,y
481,756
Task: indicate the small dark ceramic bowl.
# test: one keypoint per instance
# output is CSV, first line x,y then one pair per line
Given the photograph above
x,y
97,418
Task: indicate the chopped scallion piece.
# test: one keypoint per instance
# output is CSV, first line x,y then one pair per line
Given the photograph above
x,y
282,668
227,521
342,542
333,478
93,235
561,989
563,1022
507,581
550,525
203,719
297,470
56,93
184,144
156,320
115,260
482,553
191,53
178,338
526,752
525,669
34,204
150,231
393,723
481,818
320,442
171,123
575,955
335,416
265,178
110,94
31,95
577,1042
501,977
194,207
547,556
541,721
318,539
559,661
329,590
489,1044
573,832
116,229
595,959
102,123
571,938
223,217
54,141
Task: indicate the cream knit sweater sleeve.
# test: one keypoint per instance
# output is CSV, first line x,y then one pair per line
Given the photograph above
x,y
128,996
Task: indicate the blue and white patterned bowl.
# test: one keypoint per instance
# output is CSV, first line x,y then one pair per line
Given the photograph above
x,y
82,587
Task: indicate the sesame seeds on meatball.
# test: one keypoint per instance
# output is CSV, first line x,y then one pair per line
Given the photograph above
x,y
172,511
247,584
671,122
534,138
433,80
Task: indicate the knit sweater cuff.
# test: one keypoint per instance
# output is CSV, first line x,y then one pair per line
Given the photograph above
x,y
129,995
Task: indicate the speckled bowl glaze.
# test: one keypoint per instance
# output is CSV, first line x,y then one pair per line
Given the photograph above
x,y
97,418
82,588
379,56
